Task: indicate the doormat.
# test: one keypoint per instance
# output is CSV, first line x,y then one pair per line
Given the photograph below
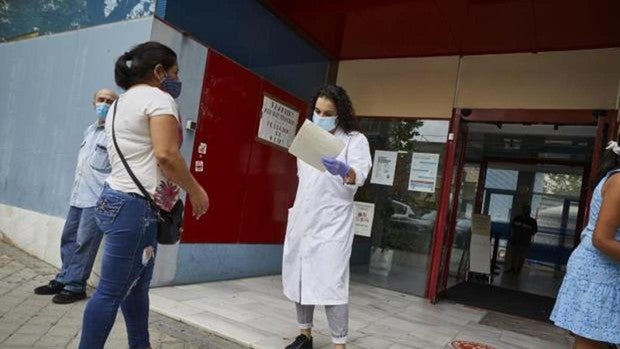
x,y
470,345
502,300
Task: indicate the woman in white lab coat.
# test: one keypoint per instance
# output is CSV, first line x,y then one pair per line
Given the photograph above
x,y
319,234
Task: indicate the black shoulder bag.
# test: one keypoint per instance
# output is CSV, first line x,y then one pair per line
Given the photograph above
x,y
169,224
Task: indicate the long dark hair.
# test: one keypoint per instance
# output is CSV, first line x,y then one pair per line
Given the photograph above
x,y
346,114
610,162
136,66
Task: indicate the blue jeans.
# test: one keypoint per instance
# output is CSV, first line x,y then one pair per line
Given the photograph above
x,y
130,227
79,244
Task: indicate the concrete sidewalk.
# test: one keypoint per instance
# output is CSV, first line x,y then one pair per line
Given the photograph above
x,y
255,313
28,320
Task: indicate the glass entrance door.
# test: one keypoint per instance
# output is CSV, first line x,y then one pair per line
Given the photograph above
x,y
396,255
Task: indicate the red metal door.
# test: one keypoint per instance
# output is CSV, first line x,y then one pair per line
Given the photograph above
x,y
448,203
250,184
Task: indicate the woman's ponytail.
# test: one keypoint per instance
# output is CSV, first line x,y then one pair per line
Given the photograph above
x,y
122,71
137,65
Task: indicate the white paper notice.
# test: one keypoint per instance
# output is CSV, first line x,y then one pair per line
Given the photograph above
x,y
364,214
423,174
277,123
312,143
480,246
384,167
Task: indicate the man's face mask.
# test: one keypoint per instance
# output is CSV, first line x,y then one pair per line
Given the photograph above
x,y
102,110
328,123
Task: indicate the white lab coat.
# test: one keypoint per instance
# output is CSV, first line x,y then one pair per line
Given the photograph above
x,y
319,233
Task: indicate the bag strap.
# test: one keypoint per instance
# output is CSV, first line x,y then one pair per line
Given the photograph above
x,y
146,195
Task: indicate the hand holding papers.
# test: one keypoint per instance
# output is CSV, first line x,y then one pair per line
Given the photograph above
x,y
312,143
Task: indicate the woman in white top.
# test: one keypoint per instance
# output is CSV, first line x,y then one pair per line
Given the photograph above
x,y
319,234
147,129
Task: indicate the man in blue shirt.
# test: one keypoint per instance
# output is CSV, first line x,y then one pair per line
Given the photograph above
x,y
81,237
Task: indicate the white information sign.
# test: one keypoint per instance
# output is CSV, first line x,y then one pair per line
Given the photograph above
x,y
384,167
277,123
423,174
364,214
480,246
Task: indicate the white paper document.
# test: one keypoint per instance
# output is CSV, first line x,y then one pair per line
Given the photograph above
x,y
423,174
384,167
312,143
364,214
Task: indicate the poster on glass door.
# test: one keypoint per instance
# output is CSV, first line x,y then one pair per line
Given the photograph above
x,y
423,174
384,167
364,214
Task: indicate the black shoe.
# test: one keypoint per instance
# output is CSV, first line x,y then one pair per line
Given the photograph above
x,y
301,342
54,287
66,297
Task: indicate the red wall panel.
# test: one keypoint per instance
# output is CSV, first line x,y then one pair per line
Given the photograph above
x,y
271,182
250,184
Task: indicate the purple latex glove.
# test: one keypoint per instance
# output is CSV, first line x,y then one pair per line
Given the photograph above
x,y
335,167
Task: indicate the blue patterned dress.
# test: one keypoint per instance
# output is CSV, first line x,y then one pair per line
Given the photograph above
x,y
588,302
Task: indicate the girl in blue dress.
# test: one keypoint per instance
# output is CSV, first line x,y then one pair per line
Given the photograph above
x,y
588,302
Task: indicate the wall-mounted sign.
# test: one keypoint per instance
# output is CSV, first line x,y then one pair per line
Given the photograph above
x,y
423,174
278,123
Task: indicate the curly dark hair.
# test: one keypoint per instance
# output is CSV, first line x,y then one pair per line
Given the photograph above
x,y
346,114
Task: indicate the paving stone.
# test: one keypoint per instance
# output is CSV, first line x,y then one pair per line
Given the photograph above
x,y
28,320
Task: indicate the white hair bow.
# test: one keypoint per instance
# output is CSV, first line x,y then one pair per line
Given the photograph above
x,y
613,145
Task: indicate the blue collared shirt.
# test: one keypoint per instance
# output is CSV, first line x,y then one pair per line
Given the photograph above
x,y
92,169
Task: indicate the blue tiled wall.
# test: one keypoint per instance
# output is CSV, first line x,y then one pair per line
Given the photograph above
x,y
248,33
212,262
47,104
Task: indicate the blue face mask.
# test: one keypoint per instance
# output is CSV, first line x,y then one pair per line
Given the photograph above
x,y
172,86
102,110
328,123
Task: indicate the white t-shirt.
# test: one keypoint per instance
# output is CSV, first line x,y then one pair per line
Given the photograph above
x,y
133,136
